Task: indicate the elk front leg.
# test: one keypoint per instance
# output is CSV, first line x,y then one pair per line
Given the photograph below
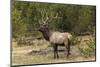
x,y
55,52
57,56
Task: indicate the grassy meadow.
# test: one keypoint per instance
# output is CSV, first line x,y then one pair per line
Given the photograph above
x,y
42,53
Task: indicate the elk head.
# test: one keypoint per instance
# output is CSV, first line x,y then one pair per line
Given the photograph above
x,y
43,28
43,25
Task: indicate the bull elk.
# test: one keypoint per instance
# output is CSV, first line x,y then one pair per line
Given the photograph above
x,y
56,39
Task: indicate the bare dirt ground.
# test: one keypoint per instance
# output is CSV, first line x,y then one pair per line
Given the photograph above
x,y
43,54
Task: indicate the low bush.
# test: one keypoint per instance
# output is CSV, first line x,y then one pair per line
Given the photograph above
x,y
87,49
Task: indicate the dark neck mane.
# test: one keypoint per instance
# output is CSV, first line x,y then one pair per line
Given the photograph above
x,y
46,34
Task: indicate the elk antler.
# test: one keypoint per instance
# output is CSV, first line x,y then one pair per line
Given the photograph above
x,y
46,21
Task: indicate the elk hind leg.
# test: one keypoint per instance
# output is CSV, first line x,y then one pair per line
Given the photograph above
x,y
67,45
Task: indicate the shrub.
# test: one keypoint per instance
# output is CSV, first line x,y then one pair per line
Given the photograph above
x,y
87,49
76,40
